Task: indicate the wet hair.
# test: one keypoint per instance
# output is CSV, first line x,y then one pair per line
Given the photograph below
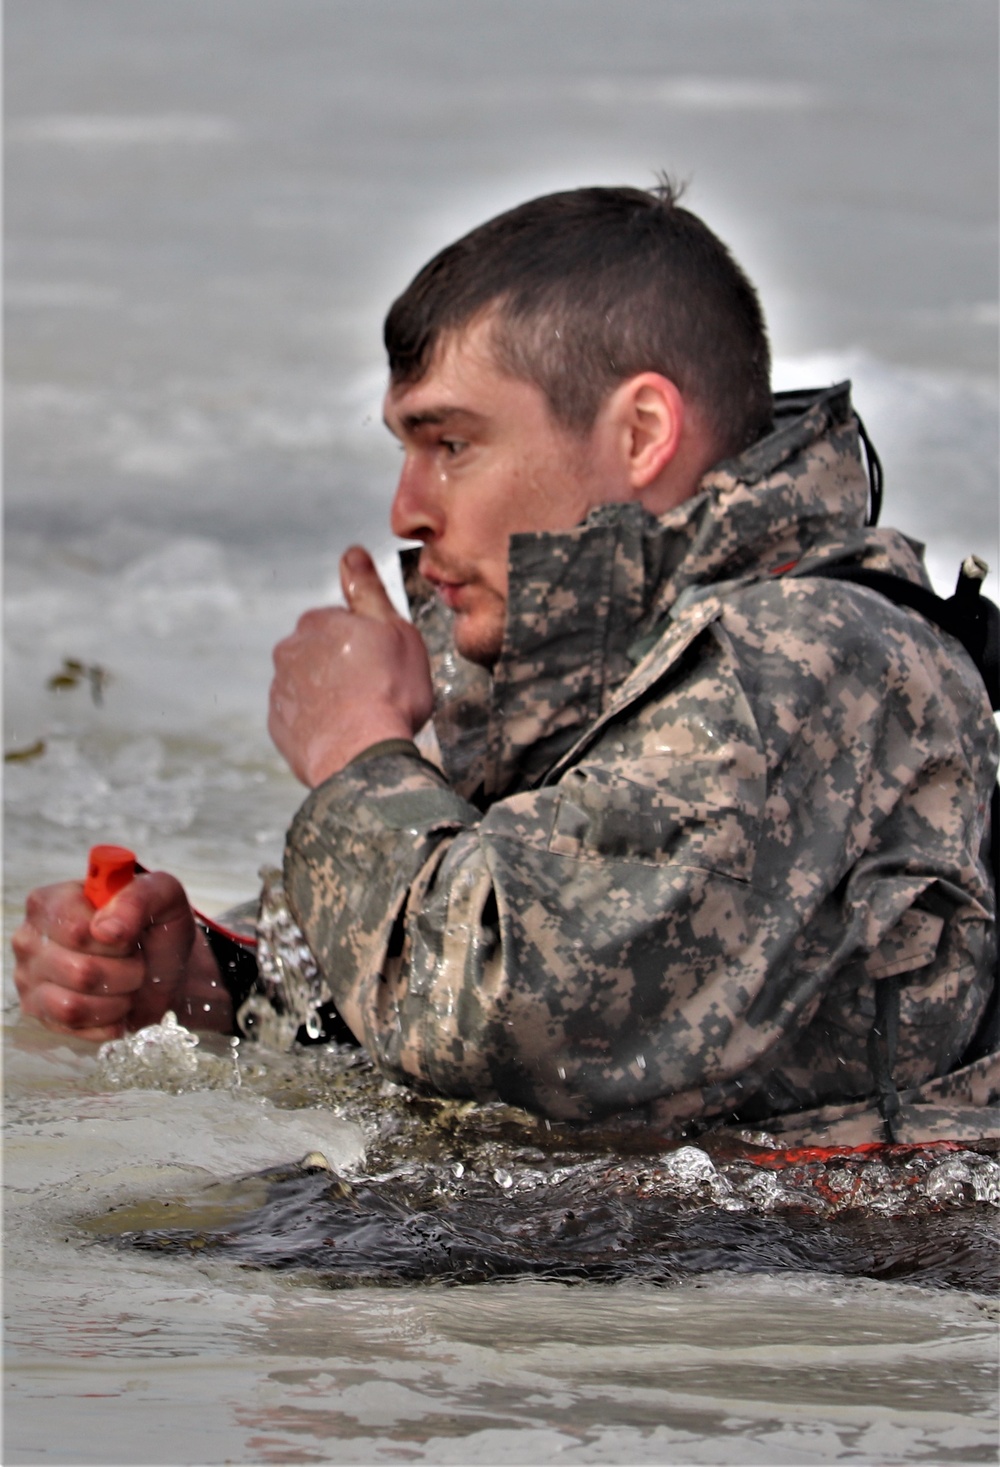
x,y
588,288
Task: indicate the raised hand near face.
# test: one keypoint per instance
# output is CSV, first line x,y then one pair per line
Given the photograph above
x,y
347,679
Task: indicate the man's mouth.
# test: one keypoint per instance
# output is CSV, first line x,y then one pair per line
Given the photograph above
x,y
451,593
448,587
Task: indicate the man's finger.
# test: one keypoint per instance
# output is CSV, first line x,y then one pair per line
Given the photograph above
x,y
362,586
77,1013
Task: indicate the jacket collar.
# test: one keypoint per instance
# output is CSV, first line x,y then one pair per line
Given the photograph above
x,y
582,602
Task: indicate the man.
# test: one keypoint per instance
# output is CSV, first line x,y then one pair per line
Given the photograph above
x,y
702,824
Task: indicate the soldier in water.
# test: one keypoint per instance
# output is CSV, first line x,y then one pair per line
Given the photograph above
x,y
651,808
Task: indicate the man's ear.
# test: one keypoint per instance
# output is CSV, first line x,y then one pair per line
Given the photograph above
x,y
647,416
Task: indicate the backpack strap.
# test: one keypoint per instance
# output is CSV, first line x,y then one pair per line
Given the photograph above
x,y
968,615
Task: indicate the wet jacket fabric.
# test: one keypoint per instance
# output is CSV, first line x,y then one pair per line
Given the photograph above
x,y
707,801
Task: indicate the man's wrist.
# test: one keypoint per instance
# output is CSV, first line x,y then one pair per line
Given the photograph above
x,y
329,756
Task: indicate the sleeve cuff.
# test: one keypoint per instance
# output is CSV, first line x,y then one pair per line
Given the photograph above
x,y
390,746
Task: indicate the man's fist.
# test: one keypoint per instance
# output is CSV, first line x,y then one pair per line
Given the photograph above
x,y
347,679
96,974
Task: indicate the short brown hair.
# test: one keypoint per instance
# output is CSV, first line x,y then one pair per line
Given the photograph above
x,y
589,288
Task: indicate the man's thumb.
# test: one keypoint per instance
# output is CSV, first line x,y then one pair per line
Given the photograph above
x,y
154,900
362,586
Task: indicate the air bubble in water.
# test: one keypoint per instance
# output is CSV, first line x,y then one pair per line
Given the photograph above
x,y
763,1189
947,1182
986,1182
690,1166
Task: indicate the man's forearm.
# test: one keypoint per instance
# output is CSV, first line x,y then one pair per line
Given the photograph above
x,y
357,846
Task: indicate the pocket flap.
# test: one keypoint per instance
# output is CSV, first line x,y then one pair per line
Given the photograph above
x,y
910,945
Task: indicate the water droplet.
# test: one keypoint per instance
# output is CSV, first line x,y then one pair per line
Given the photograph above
x,y
689,1164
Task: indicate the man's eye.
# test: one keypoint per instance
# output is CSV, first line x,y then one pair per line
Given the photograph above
x,y
452,446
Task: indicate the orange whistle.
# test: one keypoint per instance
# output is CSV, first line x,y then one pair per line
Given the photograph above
x,y
109,868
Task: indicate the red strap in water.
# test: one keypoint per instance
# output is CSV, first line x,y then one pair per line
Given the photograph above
x,y
797,1155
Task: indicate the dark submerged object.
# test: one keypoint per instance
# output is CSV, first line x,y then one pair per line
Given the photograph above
x,y
366,1234
922,1214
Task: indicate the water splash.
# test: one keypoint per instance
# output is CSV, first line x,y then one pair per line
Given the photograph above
x,y
464,1192
167,1056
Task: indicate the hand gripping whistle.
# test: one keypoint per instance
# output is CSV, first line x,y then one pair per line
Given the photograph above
x,y
109,869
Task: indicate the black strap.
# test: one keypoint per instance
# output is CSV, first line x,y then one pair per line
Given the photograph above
x,y
986,1039
236,960
876,477
882,1039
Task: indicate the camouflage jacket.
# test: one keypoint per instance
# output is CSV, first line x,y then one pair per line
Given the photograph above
x,y
707,801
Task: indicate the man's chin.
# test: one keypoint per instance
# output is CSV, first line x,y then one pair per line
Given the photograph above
x,y
477,644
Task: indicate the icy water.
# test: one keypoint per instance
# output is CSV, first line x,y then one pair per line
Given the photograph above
x,y
188,1281
209,204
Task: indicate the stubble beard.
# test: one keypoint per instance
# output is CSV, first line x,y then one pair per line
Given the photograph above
x,y
479,639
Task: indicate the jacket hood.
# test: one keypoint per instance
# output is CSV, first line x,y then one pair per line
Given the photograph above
x,y
585,604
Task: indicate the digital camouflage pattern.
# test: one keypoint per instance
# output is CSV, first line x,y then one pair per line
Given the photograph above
x,y
705,804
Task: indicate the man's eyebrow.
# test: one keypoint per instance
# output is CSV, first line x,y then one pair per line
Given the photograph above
x,y
432,418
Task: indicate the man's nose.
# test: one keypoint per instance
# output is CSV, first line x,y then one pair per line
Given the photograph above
x,y
416,512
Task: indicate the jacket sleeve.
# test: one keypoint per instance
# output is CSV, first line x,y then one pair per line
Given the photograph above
x,y
700,907
577,948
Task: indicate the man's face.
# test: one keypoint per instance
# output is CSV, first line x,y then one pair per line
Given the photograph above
x,y
484,460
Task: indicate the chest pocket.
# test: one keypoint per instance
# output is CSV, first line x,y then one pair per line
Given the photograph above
x,y
604,814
